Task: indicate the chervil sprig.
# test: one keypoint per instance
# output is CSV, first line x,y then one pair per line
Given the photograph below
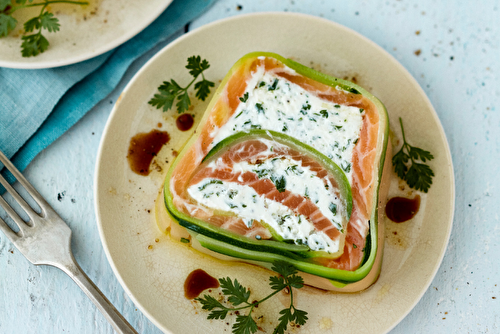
x,y
170,90
418,175
36,43
239,295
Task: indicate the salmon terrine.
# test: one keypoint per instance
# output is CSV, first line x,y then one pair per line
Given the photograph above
x,y
287,164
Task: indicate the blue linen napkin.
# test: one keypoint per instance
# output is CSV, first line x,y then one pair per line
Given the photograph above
x,y
38,106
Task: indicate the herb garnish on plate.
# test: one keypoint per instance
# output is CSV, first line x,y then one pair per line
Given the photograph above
x,y
239,295
419,175
35,43
170,90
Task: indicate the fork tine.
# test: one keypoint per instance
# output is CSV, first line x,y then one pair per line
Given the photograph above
x,y
7,231
17,174
26,207
13,214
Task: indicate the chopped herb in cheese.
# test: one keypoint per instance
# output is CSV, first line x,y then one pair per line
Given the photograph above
x,y
276,104
247,204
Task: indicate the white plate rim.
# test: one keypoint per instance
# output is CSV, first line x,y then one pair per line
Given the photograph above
x,y
298,16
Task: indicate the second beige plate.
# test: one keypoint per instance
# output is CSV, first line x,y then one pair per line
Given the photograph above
x,y
85,32
152,268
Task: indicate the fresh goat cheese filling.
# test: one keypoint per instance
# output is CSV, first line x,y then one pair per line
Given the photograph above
x,y
290,175
274,103
247,204
287,174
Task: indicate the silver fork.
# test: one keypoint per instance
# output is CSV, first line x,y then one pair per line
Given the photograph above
x,y
46,239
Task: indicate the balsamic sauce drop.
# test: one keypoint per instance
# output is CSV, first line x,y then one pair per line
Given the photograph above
x,y
143,148
184,122
197,281
400,209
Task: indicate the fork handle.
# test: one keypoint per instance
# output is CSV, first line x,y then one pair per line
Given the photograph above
x,y
119,323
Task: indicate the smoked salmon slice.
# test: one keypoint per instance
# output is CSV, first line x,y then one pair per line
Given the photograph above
x,y
245,174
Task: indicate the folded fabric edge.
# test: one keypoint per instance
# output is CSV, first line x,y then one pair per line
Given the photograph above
x,y
70,109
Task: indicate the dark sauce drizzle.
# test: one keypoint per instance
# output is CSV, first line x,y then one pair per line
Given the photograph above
x,y
401,209
143,148
197,281
184,122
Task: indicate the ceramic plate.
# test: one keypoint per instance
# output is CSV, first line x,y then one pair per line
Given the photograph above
x,y
85,32
152,268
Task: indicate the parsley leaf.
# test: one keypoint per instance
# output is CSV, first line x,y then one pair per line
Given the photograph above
x,y
33,45
164,99
274,85
293,169
399,161
290,279
4,4
346,166
196,65
286,317
208,302
7,24
295,281
244,325
284,269
32,24
417,153
238,295
170,86
218,314
244,98
203,89
300,317
279,182
260,108
209,183
419,176
333,208
277,282
408,165
169,91
36,43
262,172
183,102
49,22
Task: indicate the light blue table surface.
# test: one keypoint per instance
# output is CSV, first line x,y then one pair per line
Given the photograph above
x,y
458,67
